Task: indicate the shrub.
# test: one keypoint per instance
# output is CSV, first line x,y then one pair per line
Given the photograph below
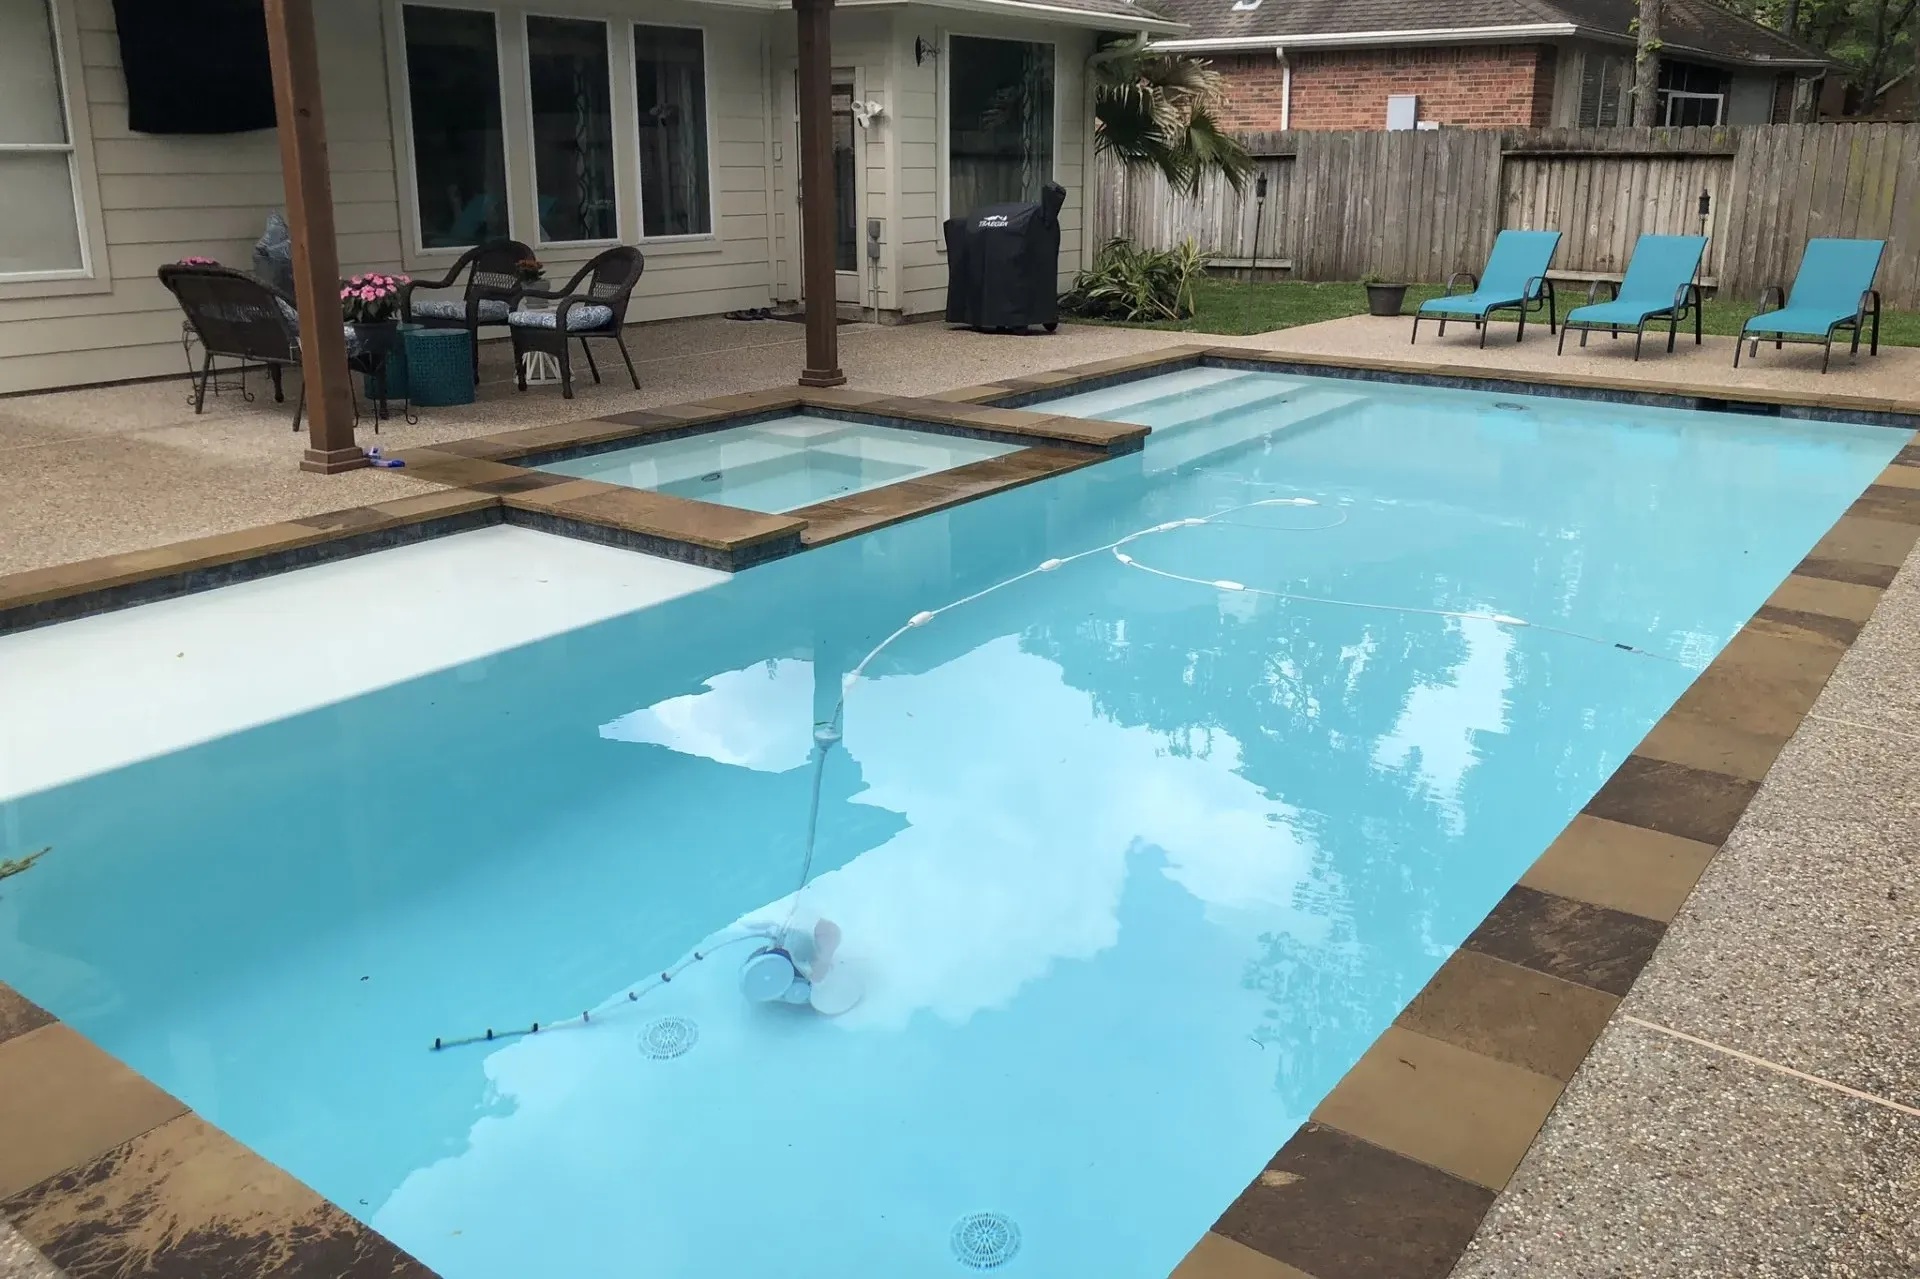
x,y
1130,283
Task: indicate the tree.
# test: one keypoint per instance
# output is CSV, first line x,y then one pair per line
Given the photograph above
x,y
1646,65
1156,110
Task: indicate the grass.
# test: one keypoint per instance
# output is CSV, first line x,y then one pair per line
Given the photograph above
x,y
1224,305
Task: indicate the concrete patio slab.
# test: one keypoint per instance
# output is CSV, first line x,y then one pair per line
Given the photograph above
x,y
1665,1159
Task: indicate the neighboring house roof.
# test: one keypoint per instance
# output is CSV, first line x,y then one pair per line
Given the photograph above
x,y
1689,28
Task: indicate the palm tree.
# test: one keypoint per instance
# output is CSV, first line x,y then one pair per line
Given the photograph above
x,y
1156,110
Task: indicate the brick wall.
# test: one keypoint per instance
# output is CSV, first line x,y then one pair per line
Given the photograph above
x,y
1484,85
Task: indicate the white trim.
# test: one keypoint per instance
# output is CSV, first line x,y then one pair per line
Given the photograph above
x,y
537,240
1059,14
86,217
1362,39
943,115
416,248
712,233
1286,91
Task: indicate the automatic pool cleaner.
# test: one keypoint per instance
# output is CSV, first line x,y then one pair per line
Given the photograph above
x,y
797,968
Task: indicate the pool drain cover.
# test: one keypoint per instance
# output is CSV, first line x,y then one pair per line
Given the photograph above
x,y
666,1037
1510,406
984,1240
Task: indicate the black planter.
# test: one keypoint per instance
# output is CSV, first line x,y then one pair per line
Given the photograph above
x,y
1385,299
377,345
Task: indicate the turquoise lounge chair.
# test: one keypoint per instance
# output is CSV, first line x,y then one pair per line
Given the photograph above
x,y
1660,285
1515,279
1832,292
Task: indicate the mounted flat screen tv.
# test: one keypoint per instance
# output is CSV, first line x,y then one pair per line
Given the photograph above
x,y
195,66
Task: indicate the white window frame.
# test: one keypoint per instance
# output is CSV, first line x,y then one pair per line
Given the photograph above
x,y
89,276
1668,97
712,233
536,239
402,98
943,110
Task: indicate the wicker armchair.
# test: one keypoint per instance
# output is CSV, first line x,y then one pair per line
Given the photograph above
x,y
239,318
592,305
492,289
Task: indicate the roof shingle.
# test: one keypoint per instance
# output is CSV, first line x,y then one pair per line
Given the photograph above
x,y
1696,27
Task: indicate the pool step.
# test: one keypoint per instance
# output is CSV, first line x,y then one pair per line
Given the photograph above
x,y
1115,403
1246,424
1174,407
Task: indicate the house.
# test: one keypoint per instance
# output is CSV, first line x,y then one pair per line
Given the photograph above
x,y
568,124
1377,64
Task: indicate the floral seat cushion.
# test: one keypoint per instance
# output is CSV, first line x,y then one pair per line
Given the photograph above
x,y
584,315
492,310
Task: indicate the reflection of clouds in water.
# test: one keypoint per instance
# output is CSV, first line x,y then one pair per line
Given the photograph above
x,y
759,718
1435,733
1024,807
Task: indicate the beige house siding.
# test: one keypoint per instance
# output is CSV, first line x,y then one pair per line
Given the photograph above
x,y
163,198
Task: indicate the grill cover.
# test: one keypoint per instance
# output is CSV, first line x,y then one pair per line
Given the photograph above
x,y
1003,264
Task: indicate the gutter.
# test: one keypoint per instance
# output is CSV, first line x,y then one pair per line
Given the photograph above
x,y
1363,39
1060,13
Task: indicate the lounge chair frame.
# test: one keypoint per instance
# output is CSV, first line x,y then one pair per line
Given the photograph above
x,y
1538,296
1774,298
1686,302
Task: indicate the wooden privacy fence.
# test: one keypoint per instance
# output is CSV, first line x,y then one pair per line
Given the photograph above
x,y
1420,204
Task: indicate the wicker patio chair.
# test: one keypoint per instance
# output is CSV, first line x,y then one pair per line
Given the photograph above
x,y
492,289
592,305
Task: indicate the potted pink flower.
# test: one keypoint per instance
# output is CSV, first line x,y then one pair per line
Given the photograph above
x,y
371,304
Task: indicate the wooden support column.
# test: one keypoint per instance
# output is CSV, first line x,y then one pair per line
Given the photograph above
x,y
817,289
316,257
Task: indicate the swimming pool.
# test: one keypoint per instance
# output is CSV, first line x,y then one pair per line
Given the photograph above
x,y
781,465
1133,852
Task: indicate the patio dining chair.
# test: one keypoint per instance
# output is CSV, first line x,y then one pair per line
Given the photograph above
x,y
238,317
1832,293
592,305
491,289
1661,284
1514,279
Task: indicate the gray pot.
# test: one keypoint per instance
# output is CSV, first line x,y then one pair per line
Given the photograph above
x,y
1385,299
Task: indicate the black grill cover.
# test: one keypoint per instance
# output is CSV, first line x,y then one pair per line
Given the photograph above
x,y
1003,264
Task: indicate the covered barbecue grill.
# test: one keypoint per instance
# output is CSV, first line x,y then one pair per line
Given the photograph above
x,y
1003,264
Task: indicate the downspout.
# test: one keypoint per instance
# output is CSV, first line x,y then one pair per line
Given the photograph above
x,y
1286,87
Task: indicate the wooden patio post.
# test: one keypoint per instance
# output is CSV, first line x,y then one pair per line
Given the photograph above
x,y
817,289
316,258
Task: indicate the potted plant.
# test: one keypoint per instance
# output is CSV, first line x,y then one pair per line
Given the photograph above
x,y
371,305
532,273
1384,297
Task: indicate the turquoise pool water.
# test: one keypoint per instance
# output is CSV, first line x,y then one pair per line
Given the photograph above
x,y
1131,857
781,465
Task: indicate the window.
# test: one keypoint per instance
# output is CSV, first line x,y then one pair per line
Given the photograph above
x,y
1603,90
40,234
846,236
569,90
453,97
999,121
1692,94
670,77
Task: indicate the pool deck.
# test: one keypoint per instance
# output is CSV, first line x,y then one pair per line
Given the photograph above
x,y
1751,1107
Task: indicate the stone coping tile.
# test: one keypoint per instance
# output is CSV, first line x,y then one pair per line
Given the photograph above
x,y
661,515
1877,576
184,1201
1218,1257
58,581
1458,1110
1573,940
1867,540
1338,1207
1901,475
18,1014
1692,803
1516,1015
1803,594
1625,868
64,1102
1897,503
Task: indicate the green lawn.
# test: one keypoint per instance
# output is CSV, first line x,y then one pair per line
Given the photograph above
x,y
1230,306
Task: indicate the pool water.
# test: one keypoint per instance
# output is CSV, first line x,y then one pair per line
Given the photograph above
x,y
1133,854
781,465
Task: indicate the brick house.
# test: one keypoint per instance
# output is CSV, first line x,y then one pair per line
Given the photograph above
x,y
1382,64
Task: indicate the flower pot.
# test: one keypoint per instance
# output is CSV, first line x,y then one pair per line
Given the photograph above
x,y
376,341
1385,299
